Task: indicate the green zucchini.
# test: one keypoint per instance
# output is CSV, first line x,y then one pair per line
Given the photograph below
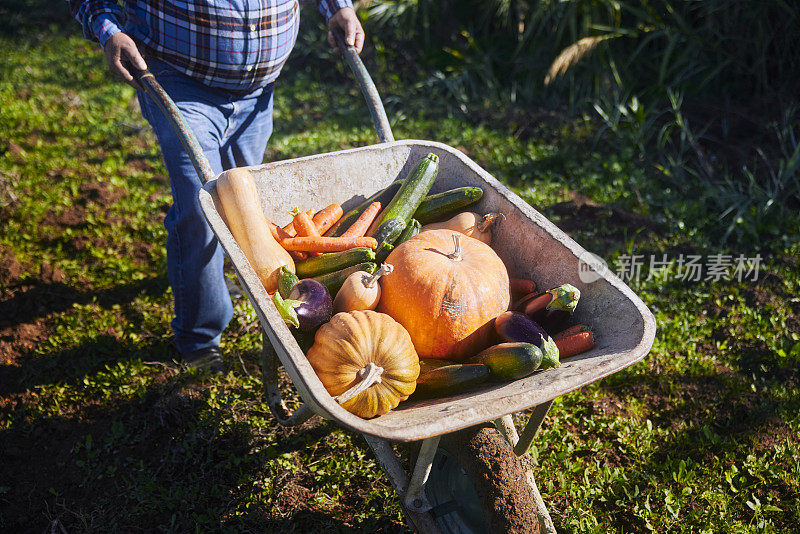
x,y
429,364
383,251
510,361
333,261
440,206
451,380
389,231
286,281
411,230
384,196
407,200
333,281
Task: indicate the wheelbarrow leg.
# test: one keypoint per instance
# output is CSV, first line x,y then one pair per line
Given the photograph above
x,y
521,444
422,522
272,393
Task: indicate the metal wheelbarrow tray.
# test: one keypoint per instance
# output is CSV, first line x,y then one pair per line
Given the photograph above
x,y
529,244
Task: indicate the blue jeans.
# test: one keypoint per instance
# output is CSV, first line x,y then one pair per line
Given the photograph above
x,y
232,130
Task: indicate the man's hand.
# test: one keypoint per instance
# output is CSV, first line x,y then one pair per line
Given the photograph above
x,y
120,51
346,20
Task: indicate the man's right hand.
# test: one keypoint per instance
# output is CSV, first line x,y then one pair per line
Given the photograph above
x,y
121,50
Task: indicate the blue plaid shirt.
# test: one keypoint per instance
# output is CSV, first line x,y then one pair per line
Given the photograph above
x,y
230,44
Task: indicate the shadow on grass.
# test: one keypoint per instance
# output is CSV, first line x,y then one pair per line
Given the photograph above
x,y
170,457
45,299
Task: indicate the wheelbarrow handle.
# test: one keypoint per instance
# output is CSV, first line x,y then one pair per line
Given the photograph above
x,y
150,85
368,89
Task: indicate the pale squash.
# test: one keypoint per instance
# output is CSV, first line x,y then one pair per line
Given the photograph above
x,y
238,198
470,224
445,289
360,291
354,342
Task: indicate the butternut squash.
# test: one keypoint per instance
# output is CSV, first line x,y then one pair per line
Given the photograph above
x,y
238,198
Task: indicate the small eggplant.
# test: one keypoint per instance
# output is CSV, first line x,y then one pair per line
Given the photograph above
x,y
517,327
308,306
550,309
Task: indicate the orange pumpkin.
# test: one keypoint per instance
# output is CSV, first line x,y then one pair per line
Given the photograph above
x,y
445,289
353,344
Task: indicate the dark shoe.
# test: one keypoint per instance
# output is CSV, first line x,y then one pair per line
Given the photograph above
x,y
208,359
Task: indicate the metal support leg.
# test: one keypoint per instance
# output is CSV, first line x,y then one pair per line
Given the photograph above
x,y
530,430
422,522
272,393
415,498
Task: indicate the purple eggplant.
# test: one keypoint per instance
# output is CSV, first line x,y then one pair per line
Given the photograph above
x,y
513,327
308,305
550,309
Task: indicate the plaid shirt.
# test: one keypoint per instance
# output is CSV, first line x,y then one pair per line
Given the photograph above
x,y
237,45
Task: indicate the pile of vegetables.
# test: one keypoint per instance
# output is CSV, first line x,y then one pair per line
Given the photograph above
x,y
403,294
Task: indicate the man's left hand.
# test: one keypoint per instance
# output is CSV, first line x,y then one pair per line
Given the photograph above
x,y
346,20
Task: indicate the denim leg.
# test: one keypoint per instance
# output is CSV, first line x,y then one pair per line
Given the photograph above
x,y
194,257
249,131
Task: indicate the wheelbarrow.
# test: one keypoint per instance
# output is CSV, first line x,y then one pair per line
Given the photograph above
x,y
471,471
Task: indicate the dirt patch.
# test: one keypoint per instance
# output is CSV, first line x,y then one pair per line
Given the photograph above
x,y
71,217
291,497
102,193
11,269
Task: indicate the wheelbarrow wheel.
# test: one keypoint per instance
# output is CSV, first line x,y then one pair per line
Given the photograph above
x,y
477,484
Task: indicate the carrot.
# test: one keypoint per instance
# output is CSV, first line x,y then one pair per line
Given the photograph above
x,y
304,226
289,228
362,224
280,234
327,244
575,344
538,302
327,217
571,330
520,286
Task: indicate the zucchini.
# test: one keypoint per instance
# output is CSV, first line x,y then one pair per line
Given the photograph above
x,y
429,364
411,230
383,251
384,196
286,281
332,261
510,361
389,231
408,198
442,205
333,281
451,379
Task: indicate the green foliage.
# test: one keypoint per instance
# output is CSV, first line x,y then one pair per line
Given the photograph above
x,y
681,82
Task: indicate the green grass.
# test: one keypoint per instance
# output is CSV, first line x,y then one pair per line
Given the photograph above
x,y
102,431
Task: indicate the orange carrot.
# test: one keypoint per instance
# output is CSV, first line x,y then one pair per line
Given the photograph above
x,y
570,331
327,244
289,228
521,287
575,344
327,217
362,224
280,234
304,226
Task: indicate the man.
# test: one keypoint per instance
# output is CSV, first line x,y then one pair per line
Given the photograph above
x,y
218,60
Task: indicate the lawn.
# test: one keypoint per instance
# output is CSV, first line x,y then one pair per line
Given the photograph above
x,y
103,430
